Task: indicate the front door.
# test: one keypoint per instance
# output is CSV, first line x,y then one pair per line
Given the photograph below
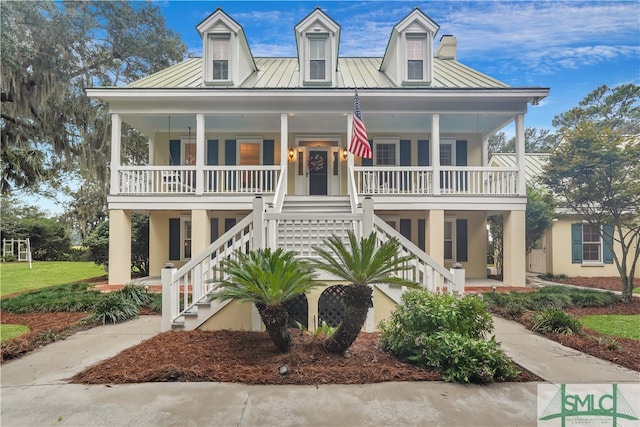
x,y
318,167
538,257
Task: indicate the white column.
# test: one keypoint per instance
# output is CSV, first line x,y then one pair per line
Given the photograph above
x,y
520,160
116,135
350,158
435,152
284,139
485,151
200,152
152,150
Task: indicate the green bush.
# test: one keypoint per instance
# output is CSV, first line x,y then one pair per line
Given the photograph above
x,y
73,298
545,300
156,303
114,308
446,333
137,295
555,321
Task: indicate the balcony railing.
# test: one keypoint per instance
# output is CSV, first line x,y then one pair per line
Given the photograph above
x,y
163,180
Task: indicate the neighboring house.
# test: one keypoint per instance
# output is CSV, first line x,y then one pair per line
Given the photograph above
x,y
570,246
228,127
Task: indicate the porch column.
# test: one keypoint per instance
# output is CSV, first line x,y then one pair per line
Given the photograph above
x,y
200,231
514,265
119,247
485,151
200,144
284,139
435,152
435,235
520,161
116,136
350,158
152,150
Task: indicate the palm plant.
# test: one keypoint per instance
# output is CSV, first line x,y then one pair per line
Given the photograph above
x,y
268,279
361,264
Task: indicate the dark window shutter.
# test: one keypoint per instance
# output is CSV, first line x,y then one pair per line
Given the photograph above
x,y
268,154
174,238
461,240
405,228
405,152
212,152
461,153
174,152
576,243
230,152
607,255
421,233
214,229
228,225
423,152
368,162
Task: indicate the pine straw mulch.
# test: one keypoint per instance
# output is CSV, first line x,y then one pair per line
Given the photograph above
x,y
607,283
251,358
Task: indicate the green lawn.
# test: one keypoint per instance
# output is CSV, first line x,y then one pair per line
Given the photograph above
x,y
17,277
625,326
11,331
636,290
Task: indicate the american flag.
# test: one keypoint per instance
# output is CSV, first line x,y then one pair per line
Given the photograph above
x,y
359,142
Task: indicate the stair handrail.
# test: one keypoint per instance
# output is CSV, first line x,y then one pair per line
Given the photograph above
x,y
422,261
281,189
353,190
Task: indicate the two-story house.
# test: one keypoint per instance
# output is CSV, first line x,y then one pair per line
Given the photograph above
x,y
248,151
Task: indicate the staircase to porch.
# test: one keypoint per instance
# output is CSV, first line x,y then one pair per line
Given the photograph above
x,y
302,224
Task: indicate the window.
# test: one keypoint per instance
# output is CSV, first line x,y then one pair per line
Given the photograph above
x,y
179,238
186,237
448,241
219,47
317,58
415,57
588,246
386,153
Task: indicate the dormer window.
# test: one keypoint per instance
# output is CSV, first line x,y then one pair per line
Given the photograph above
x,y
318,57
219,57
416,56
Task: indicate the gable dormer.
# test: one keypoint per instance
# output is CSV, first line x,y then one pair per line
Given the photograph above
x,y
317,40
227,58
408,60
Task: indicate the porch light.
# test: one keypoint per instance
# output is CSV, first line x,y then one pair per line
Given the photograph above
x,y
291,153
344,154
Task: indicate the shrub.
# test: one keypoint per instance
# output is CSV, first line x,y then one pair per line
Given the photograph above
x,y
114,308
73,298
137,295
588,298
555,321
545,300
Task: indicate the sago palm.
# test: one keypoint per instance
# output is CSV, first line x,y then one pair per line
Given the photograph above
x,y
268,279
362,264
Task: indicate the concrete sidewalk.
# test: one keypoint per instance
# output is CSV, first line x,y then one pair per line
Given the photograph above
x,y
34,391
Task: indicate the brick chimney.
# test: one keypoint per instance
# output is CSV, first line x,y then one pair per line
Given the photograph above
x,y
447,47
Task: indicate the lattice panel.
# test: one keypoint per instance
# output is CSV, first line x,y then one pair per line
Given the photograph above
x,y
298,309
331,306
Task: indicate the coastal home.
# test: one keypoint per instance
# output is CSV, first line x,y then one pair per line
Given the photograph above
x,y
247,152
571,246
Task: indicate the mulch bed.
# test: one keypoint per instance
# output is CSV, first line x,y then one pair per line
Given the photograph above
x,y
251,358
608,283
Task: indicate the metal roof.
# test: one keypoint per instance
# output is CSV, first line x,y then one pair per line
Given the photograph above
x,y
283,73
534,163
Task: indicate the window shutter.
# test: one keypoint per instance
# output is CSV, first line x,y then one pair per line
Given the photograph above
x,y
212,152
268,154
405,228
461,153
230,152
576,243
228,225
421,233
607,255
423,152
405,152
368,162
174,238
461,240
174,152
214,229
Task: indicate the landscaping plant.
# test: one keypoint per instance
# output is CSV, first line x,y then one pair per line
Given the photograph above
x,y
361,263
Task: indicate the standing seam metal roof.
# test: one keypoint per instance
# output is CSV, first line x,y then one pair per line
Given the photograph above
x,y
283,73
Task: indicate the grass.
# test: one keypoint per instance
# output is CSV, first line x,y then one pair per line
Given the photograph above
x,y
17,277
11,331
624,326
636,290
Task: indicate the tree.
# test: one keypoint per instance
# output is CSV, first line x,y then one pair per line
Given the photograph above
x,y
535,141
362,264
595,171
268,279
52,133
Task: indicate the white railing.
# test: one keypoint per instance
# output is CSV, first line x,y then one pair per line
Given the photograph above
x,y
353,190
281,190
424,270
157,179
241,179
479,180
454,180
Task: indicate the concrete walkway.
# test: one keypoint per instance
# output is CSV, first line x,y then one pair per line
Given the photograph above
x,y
34,391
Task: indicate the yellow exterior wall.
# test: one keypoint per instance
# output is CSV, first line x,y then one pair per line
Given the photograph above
x,y
477,243
119,247
383,306
234,316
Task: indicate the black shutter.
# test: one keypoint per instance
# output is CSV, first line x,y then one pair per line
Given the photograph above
x,y
421,233
174,238
461,240
405,160
423,152
230,152
268,153
212,152
214,229
174,152
405,227
461,153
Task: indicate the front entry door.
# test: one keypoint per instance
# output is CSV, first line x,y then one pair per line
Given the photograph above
x,y
538,256
318,167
